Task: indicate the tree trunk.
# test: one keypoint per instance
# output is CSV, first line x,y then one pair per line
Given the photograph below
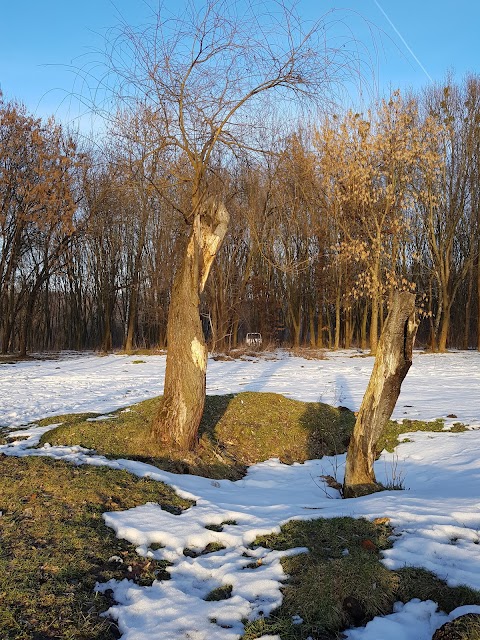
x,y
132,317
478,297
320,329
349,327
392,362
468,309
134,290
444,328
106,345
363,329
374,325
337,320
311,319
178,419
297,325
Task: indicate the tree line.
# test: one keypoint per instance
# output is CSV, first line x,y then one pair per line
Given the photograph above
x,y
328,216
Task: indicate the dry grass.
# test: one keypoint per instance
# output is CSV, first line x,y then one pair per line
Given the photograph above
x,y
55,546
341,582
236,430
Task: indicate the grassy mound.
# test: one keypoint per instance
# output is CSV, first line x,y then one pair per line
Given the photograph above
x,y
236,430
55,546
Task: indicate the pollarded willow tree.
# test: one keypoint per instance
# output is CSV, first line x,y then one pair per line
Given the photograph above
x,y
207,79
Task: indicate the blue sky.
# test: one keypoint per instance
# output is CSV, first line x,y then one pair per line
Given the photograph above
x,y
409,41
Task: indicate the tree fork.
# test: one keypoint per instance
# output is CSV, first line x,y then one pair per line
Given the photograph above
x,y
392,362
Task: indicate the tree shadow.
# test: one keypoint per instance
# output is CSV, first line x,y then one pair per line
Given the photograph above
x,y
210,457
329,429
343,392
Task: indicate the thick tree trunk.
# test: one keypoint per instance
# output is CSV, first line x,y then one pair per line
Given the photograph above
x,y
178,419
444,328
392,362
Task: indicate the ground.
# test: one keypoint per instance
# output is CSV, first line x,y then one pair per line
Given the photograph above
x,y
228,575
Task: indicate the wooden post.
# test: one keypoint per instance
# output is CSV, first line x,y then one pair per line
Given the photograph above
x,y
392,362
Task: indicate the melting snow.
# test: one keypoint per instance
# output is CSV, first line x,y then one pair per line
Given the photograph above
x,y
436,520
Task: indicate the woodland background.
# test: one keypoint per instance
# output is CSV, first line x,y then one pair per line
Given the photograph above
x,y
328,217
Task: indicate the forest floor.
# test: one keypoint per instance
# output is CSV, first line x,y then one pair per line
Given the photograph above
x,y
248,536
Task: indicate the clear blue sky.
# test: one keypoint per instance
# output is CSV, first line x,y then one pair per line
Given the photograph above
x,y
412,40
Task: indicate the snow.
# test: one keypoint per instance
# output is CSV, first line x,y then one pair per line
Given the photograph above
x,y
436,520
435,386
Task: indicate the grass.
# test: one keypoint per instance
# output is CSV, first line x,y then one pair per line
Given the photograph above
x,y
236,431
55,546
466,627
341,581
220,593
390,437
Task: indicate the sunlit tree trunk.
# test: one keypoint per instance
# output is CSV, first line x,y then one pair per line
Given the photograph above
x,y
392,362
181,410
468,309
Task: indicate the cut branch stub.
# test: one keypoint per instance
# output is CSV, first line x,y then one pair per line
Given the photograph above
x,y
392,362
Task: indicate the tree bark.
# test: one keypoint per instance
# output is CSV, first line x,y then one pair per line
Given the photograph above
x,y
468,309
178,419
392,362
374,325
311,322
363,327
478,295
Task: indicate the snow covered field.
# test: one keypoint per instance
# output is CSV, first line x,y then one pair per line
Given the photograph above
x,y
436,520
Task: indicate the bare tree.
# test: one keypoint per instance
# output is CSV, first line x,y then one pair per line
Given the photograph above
x,y
36,213
447,198
202,78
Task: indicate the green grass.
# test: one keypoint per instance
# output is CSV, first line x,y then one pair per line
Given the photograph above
x,y
390,437
236,430
342,582
55,546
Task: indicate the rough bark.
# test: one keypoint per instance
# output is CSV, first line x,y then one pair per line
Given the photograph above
x,y
392,362
178,419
